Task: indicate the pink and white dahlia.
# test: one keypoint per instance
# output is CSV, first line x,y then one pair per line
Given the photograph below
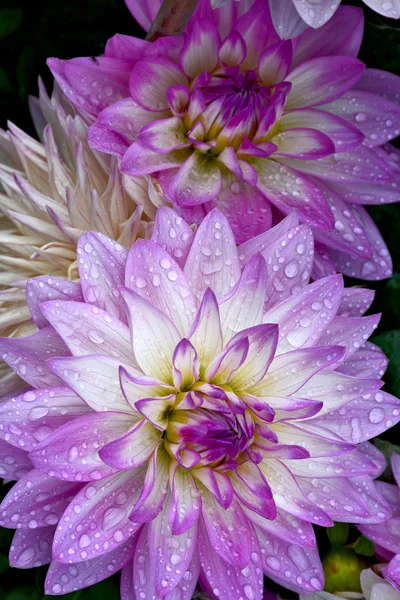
x,y
229,116
192,409
387,535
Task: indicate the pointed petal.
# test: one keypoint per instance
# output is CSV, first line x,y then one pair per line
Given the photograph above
x,y
205,333
322,79
72,452
342,34
46,496
62,578
173,234
132,449
88,329
368,361
230,581
154,336
263,340
213,261
95,379
228,530
169,550
150,79
29,418
99,514
289,565
28,356
153,274
275,62
287,21
154,489
155,410
198,180
288,496
101,264
303,317
343,134
185,506
286,528
14,462
243,308
78,78
200,48
290,371
40,289
31,547
349,332
289,190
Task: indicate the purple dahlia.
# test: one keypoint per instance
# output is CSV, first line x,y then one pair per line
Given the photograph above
x,y
190,411
227,115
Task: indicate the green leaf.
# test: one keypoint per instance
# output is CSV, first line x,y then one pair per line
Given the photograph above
x,y
389,342
363,546
338,534
10,21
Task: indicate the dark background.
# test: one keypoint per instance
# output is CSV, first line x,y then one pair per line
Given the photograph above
x,y
31,31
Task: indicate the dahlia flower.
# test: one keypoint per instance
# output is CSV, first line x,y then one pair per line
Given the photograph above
x,y
52,190
191,410
314,13
387,535
228,116
373,588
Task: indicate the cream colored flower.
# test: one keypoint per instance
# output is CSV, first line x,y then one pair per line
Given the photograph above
x,y
51,191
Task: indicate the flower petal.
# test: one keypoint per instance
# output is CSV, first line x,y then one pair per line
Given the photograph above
x,y
275,62
205,333
342,34
322,79
153,274
316,14
72,452
101,264
92,85
150,79
14,462
28,356
200,48
368,361
263,340
154,336
40,289
290,371
62,578
173,234
349,332
228,530
169,550
229,581
243,307
99,514
118,125
344,135
132,449
87,329
289,565
31,547
185,508
30,417
154,489
213,260
303,317
95,379
287,21
46,496
198,180
288,190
